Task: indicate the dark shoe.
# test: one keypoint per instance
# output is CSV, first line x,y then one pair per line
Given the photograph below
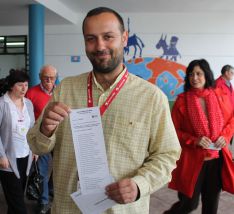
x,y
51,195
44,208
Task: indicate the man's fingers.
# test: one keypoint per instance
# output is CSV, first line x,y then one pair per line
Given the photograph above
x,y
124,191
57,110
123,199
61,108
118,185
53,119
54,113
117,190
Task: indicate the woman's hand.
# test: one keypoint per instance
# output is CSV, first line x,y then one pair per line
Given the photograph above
x,y
204,142
4,163
220,143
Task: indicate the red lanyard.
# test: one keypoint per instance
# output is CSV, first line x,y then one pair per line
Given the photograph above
x,y
112,95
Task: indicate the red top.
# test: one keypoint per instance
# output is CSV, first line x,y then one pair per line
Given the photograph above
x,y
39,99
221,83
184,177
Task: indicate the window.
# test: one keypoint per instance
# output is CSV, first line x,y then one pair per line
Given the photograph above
x,y
13,54
13,45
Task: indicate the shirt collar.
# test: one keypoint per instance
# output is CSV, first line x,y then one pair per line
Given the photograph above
x,y
47,92
116,81
227,82
7,98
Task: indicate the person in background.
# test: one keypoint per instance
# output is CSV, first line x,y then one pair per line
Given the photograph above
x,y
140,139
40,95
16,117
203,118
224,82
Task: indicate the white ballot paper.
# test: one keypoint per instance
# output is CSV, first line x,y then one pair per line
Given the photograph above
x,y
213,147
95,203
91,161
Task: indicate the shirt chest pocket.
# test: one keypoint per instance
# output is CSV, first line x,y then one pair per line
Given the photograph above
x,y
130,134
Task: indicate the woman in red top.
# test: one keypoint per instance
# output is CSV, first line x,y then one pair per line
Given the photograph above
x,y
203,118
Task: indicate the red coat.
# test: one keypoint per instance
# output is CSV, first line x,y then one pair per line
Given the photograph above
x,y
184,177
221,83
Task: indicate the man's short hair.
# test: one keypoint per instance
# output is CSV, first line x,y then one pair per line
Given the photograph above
x,y
226,68
99,10
48,66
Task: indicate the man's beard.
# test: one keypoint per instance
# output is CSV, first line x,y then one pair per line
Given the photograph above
x,y
105,67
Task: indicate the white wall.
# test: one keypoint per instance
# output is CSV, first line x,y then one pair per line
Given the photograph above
x,y
10,61
203,35
60,46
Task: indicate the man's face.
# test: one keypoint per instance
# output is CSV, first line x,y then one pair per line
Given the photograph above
x,y
229,75
104,42
48,77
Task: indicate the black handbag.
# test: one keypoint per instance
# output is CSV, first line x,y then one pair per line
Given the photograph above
x,y
34,183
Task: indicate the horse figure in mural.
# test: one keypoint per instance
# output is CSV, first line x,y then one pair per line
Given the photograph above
x,y
134,41
168,50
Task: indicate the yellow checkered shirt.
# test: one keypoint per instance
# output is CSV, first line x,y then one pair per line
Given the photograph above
x,y
140,139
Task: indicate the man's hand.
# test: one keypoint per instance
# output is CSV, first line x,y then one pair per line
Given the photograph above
x,y
123,192
4,163
220,143
53,115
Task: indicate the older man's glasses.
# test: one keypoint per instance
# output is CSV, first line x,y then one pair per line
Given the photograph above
x,y
49,78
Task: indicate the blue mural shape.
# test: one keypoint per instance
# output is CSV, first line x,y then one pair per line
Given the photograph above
x,y
169,51
140,69
135,42
167,83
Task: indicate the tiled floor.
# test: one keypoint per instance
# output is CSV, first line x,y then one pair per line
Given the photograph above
x,y
164,198
160,201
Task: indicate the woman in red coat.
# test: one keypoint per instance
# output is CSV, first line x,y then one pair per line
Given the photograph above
x,y
203,118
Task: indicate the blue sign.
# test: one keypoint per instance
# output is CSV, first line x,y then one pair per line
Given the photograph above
x,y
75,58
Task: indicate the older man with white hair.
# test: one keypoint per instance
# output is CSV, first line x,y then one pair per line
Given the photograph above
x,y
40,95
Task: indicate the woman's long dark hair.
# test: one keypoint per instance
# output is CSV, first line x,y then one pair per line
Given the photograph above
x,y
14,76
204,65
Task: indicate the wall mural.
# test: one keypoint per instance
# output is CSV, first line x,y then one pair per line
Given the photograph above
x,y
135,42
163,71
167,75
169,51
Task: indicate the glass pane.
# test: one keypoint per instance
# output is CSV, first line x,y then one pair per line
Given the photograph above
x,y
15,50
13,44
15,38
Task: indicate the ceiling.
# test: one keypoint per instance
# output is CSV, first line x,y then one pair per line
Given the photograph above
x,y
58,12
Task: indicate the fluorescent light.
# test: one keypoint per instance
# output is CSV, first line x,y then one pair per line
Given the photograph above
x,y
15,43
1,38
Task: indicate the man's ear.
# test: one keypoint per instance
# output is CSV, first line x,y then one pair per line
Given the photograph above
x,y
125,38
